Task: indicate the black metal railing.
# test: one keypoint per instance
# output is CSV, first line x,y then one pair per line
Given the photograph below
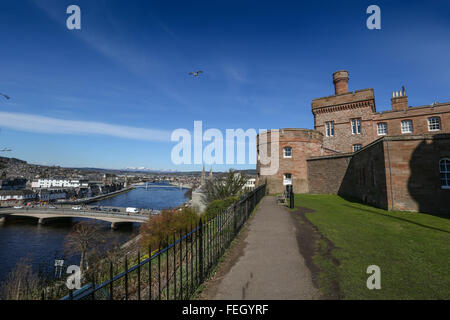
x,y
174,271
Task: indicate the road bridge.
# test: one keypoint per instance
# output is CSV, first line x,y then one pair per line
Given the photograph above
x,y
46,214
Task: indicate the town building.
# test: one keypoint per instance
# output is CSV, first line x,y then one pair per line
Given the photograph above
x,y
13,184
20,196
397,159
49,195
58,182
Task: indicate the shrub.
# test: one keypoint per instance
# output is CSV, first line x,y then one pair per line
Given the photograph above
x,y
224,187
166,225
216,207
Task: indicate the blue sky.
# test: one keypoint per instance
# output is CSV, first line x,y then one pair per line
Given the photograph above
x,y
109,95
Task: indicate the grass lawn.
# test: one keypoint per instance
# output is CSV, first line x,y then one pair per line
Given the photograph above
x,y
411,249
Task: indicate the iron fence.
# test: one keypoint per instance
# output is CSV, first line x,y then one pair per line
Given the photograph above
x,y
172,272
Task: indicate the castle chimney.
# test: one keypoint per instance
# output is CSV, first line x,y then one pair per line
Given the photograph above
x,y
399,100
340,80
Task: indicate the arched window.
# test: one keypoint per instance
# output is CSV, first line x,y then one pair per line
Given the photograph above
x,y
444,169
287,152
287,179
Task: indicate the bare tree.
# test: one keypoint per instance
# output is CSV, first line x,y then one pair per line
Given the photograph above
x,y
83,238
21,283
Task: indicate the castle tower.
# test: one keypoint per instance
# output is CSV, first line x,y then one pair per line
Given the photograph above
x,y
340,80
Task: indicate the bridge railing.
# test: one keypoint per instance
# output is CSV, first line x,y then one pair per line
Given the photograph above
x,y
176,270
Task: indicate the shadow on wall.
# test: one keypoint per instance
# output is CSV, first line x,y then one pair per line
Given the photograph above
x,y
365,178
424,183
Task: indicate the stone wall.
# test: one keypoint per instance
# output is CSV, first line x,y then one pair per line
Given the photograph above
x,y
325,174
414,171
365,178
392,173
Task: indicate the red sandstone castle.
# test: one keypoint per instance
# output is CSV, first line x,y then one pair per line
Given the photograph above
x,y
397,159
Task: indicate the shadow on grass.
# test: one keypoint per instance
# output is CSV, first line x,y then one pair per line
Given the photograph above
x,y
397,218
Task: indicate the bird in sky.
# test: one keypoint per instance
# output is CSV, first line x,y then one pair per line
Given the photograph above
x,y
7,97
195,74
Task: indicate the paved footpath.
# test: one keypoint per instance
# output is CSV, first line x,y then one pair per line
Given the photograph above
x,y
271,266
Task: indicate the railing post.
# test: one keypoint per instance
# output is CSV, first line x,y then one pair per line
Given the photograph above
x,y
234,220
159,271
187,261
192,259
139,274
111,280
175,267
93,285
200,250
149,273
126,277
181,265
167,269
246,209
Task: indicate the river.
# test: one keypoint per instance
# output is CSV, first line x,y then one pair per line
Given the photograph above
x,y
24,238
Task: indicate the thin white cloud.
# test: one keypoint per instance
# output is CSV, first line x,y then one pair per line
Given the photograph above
x,y
120,50
41,124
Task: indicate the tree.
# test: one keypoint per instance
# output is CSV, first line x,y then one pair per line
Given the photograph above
x,y
166,225
225,187
84,236
21,283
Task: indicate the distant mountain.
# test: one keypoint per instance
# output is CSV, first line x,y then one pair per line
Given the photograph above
x,y
143,169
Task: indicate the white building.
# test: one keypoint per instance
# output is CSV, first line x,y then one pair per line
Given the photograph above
x,y
58,183
250,184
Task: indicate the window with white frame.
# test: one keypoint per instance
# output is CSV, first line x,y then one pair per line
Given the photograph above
x,y
356,126
357,147
444,169
382,128
407,126
287,179
287,152
434,124
329,128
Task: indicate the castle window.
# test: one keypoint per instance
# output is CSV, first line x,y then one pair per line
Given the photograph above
x,y
407,126
444,168
287,179
434,124
382,128
356,126
287,152
357,147
329,128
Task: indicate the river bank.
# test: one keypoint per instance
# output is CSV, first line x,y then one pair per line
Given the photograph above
x,y
97,198
43,243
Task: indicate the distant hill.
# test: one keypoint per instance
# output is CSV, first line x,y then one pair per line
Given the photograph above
x,y
13,167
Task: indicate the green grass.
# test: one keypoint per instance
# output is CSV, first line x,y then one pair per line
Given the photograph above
x,y
411,249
